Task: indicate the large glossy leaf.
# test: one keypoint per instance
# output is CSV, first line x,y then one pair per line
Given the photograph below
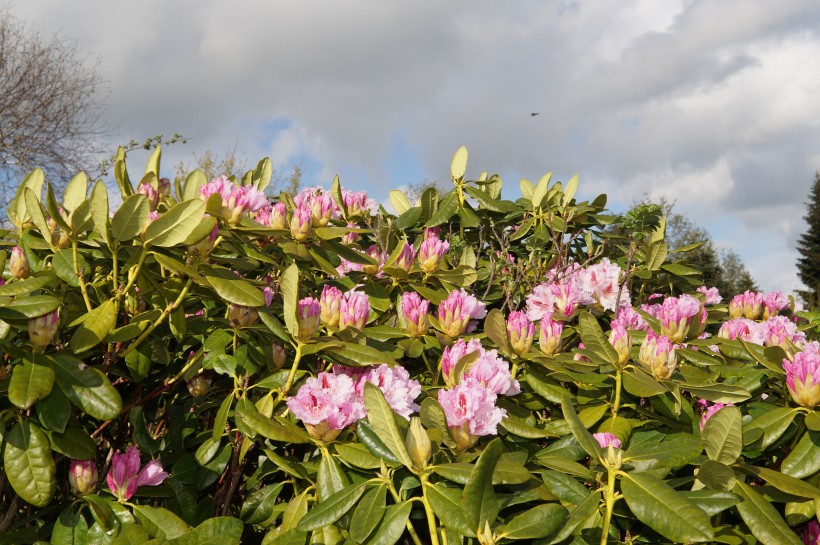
x,y
478,499
26,286
639,383
716,475
722,435
782,482
370,439
446,504
174,226
238,291
130,218
30,382
595,341
258,507
676,451
86,387
94,327
669,513
368,513
63,263
29,307
538,522
331,509
804,460
275,430
762,518
383,421
772,424
75,443
289,286
392,526
160,522
70,528
578,430
214,531
506,472
578,516
28,464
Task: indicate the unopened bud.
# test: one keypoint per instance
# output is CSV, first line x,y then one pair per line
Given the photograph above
x,y
549,339
308,315
18,265
300,224
520,331
418,444
242,316
622,343
278,355
199,384
82,476
42,329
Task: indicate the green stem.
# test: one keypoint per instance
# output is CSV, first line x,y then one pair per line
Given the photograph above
x,y
609,497
168,309
80,277
132,277
431,517
397,499
115,272
191,363
618,382
286,388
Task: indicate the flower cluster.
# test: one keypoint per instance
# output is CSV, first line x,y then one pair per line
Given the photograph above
x,y
459,313
803,375
236,200
125,475
756,305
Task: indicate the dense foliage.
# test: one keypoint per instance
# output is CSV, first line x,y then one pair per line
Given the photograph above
x,y
206,366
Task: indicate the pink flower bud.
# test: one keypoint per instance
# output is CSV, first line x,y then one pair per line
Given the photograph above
x,y
321,209
41,330
18,265
413,314
773,303
268,294
164,187
459,313
620,340
418,444
199,384
351,236
658,353
748,304
454,353
374,270
82,476
330,301
520,331
354,310
430,253
204,247
803,377
712,295
607,439
278,356
407,257
308,315
300,224
811,533
150,193
549,338
677,316
241,316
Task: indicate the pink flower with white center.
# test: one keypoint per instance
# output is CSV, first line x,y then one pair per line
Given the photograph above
x,y
659,354
494,373
18,264
811,533
600,284
459,313
520,331
470,412
308,315
354,310
374,270
413,314
351,236
398,388
621,341
606,439
151,195
561,298
629,318
430,253
356,202
406,257
681,317
326,405
301,224
712,295
737,328
347,267
125,475
774,302
549,338
453,354
42,329
330,301
748,304
710,410
803,378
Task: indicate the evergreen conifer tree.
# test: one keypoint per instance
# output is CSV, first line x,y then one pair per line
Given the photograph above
x,y
808,245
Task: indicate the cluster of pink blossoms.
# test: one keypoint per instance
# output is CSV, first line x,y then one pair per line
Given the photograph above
x,y
680,317
413,316
469,403
597,285
459,313
776,331
757,305
330,402
803,375
606,439
236,200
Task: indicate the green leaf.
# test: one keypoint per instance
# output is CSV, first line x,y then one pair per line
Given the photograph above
x,y
29,307
289,286
370,439
357,455
274,430
446,504
782,482
330,478
99,209
75,191
712,501
221,418
719,393
131,534
675,451
214,531
368,513
656,253
54,411
26,286
582,512
717,475
447,207
70,528
495,327
506,472
393,524
102,511
804,460
28,464
762,518
360,354
773,424
458,166
383,421
538,522
566,488
578,430
639,383
489,203
86,387
237,291
152,165
63,263
722,435
595,341
160,522
258,507
569,190
74,443
478,499
399,201
669,513
131,218
17,206
35,212
330,510
94,327
174,226
30,382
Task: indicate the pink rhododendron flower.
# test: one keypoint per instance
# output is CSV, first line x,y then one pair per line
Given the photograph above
x,y
561,298
681,317
470,411
748,304
430,253
330,302
712,295
347,266
356,202
18,264
273,216
413,314
629,318
351,236
493,373
406,257
606,439
621,341
520,331
151,195
659,354
125,475
398,388
736,328
354,310
459,313
781,331
774,302
811,533
327,404
803,377
42,329
319,203
308,316
236,200
432,232
301,224
82,476
453,353
600,284
153,215
374,270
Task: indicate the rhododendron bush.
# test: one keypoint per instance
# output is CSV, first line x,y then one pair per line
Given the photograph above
x,y
207,364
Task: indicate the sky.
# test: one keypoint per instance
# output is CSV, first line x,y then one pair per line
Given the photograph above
x,y
713,104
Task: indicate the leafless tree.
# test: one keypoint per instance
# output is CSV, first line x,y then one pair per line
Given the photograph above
x,y
51,105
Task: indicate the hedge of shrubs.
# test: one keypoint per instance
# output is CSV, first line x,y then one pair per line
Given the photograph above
x,y
205,364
